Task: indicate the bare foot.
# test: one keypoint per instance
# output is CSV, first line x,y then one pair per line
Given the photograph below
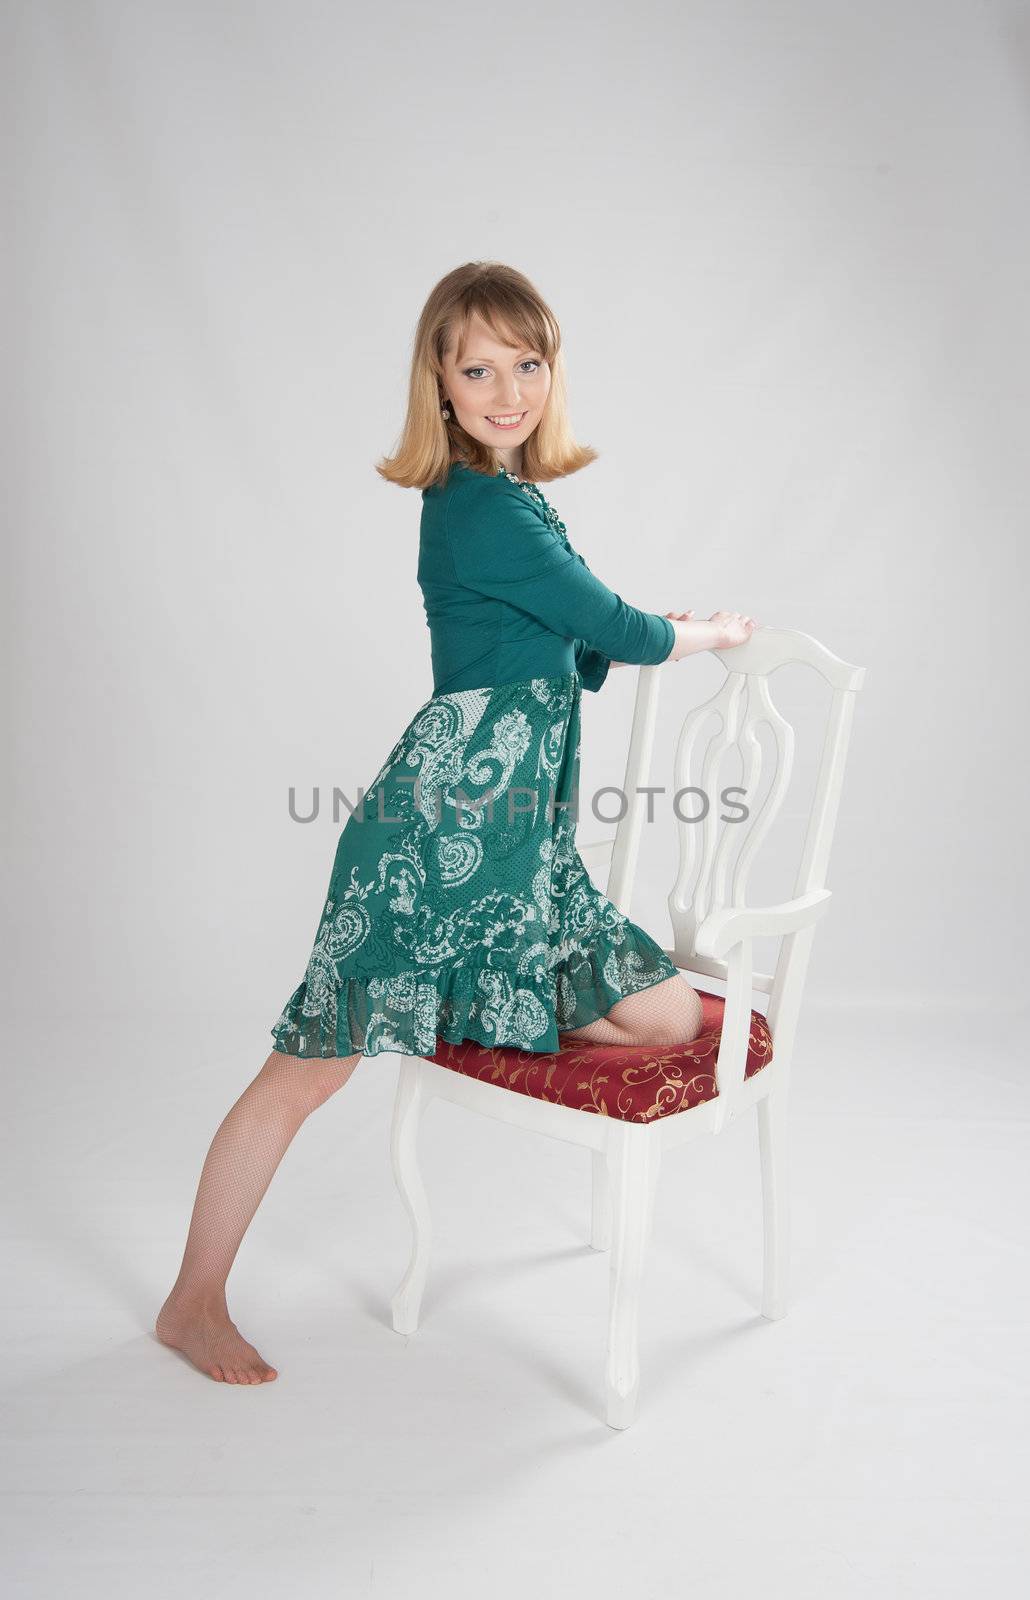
x,y
207,1336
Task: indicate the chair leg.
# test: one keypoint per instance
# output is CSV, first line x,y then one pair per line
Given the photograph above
x,y
409,1104
600,1202
633,1158
774,1156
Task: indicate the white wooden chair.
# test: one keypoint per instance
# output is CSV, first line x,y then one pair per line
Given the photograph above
x,y
713,933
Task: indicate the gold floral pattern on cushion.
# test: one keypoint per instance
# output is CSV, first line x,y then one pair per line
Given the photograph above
x,y
635,1083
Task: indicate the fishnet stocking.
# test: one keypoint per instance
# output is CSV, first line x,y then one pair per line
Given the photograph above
x,y
245,1152
667,1013
255,1135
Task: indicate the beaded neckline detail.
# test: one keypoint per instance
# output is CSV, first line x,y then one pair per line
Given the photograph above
x,y
534,494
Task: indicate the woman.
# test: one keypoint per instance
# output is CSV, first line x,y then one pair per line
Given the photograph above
x,y
458,905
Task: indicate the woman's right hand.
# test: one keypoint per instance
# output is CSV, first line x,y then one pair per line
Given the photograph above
x,y
734,628
721,631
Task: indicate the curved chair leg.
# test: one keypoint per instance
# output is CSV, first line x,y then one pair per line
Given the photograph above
x,y
600,1202
409,1104
773,1154
633,1157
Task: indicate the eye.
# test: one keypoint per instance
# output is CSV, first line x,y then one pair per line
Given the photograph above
x,y
468,372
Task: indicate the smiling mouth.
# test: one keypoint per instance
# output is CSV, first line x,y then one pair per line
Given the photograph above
x,y
513,420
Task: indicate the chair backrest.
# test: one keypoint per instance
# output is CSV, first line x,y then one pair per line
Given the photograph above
x,y
717,854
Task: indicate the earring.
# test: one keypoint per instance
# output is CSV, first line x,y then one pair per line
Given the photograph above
x,y
444,412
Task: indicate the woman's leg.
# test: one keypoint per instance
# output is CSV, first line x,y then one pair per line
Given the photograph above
x,y
244,1154
669,1013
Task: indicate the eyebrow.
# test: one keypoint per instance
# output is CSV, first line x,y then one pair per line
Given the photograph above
x,y
481,361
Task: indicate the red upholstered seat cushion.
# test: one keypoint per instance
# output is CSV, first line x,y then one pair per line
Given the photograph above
x,y
635,1083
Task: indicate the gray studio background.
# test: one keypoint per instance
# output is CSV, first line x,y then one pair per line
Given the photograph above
x,y
788,248
790,283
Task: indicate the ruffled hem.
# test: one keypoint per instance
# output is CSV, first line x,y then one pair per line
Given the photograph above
x,y
414,1012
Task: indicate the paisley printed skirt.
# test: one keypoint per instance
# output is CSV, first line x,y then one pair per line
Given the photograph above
x,y
459,906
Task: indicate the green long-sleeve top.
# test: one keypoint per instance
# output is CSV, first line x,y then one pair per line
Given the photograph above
x,y
507,598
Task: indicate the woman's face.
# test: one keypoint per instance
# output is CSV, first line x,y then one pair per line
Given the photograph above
x,y
498,391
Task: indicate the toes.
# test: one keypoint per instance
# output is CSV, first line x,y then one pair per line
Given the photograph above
x,y
260,1372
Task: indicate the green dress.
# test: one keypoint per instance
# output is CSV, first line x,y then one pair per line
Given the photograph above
x,y
458,905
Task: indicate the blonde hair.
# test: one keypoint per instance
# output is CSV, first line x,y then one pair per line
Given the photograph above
x,y
513,310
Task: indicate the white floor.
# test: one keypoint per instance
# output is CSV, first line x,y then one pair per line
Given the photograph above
x,y
874,1441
